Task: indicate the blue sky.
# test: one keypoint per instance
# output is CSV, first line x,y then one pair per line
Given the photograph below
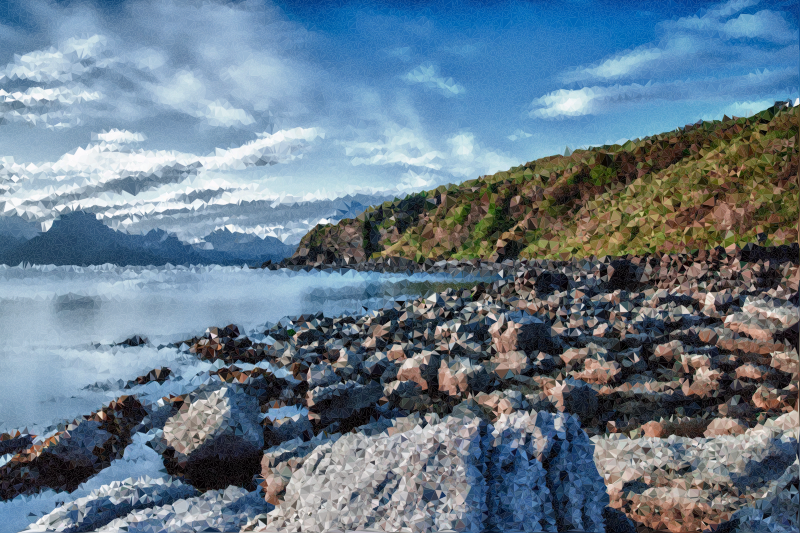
x,y
211,106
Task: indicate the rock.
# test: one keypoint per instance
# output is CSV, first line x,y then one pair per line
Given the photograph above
x,y
407,395
688,485
287,428
575,397
508,365
725,426
682,427
459,374
215,439
440,486
215,510
159,375
375,365
322,375
69,457
599,371
420,368
349,363
518,331
112,501
776,400
136,340
342,401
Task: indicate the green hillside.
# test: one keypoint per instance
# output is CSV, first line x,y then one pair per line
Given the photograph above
x,y
709,184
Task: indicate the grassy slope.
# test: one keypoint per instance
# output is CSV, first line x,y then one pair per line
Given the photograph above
x,y
715,183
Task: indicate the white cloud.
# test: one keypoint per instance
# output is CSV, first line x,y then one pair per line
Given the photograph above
x,y
119,136
232,63
677,67
427,75
461,157
598,99
519,134
689,44
104,178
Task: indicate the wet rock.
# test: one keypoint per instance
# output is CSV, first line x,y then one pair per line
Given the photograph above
x,y
69,457
112,501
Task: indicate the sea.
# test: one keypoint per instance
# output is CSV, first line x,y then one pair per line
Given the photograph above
x,y
61,329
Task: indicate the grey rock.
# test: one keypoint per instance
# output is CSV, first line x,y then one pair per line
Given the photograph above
x,y
459,474
219,422
110,502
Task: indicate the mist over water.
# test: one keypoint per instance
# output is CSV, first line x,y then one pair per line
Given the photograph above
x,y
59,325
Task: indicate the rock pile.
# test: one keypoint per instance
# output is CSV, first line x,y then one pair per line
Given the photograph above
x,y
667,362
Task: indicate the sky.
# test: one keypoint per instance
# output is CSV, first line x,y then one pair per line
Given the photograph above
x,y
193,116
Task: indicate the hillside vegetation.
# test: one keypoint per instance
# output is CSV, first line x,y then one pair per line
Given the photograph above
x,y
710,184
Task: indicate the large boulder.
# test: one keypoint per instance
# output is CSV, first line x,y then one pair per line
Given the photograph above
x,y
527,472
692,484
215,439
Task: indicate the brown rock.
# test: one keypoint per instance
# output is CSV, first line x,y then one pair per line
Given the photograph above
x,y
509,364
725,426
599,371
420,368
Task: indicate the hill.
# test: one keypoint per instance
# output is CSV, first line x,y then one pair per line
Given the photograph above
x,y
717,183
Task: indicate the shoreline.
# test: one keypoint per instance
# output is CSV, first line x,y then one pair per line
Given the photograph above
x,y
687,346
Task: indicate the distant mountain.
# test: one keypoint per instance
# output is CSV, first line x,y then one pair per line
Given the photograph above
x,y
244,246
718,183
81,239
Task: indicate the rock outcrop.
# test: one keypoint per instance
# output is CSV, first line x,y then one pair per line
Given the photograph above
x,y
527,472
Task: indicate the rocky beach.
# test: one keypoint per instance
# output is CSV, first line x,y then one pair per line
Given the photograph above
x,y
636,393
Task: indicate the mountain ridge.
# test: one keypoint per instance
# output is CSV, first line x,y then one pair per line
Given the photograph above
x,y
709,184
81,239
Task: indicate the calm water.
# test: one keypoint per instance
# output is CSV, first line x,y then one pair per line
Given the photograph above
x,y
58,325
